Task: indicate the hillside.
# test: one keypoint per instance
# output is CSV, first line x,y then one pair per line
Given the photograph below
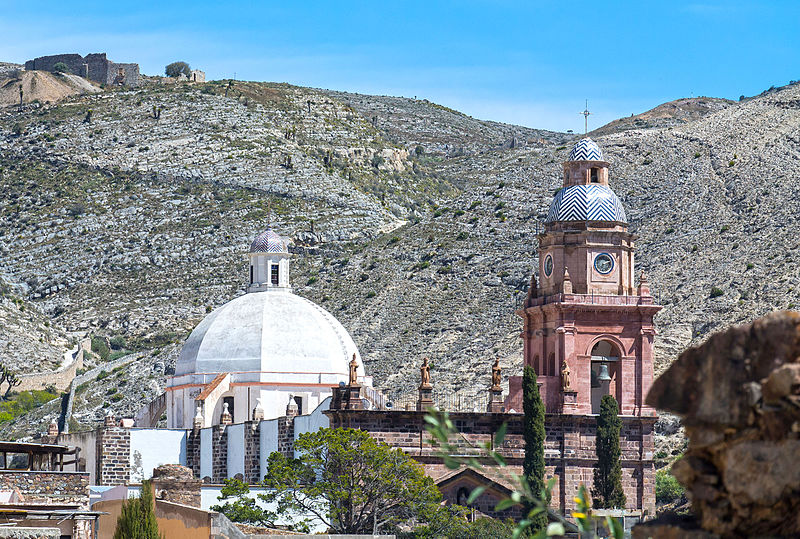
x,y
671,114
137,225
40,86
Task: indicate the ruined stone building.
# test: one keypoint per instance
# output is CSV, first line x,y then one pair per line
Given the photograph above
x,y
95,67
269,365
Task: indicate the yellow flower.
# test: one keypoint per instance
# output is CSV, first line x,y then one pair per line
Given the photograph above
x,y
577,500
578,515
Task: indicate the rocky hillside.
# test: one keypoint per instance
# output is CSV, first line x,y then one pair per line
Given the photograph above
x,y
129,213
671,114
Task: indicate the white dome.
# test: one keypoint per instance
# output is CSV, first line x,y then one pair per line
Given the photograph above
x,y
269,332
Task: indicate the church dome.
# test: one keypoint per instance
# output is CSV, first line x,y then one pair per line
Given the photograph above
x,y
269,332
586,150
586,203
269,242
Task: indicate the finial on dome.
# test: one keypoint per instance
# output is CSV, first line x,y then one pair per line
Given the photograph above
x,y
258,411
225,417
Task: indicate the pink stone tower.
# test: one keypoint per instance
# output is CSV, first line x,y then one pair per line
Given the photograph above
x,y
588,330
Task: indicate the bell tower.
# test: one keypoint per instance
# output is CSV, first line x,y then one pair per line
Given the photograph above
x,y
269,262
588,330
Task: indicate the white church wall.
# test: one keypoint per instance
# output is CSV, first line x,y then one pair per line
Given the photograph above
x,y
151,448
268,443
235,449
206,453
313,421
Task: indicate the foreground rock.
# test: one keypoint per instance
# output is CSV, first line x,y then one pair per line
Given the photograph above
x,y
739,396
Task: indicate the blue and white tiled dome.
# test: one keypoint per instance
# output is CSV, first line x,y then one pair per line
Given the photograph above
x,y
586,150
269,242
586,203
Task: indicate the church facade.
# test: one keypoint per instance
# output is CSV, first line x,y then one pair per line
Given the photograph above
x,y
269,365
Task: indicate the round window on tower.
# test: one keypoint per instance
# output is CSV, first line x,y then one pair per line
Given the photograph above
x,y
548,266
604,263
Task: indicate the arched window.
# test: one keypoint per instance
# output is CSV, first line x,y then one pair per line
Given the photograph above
x,y
605,357
251,274
593,175
536,366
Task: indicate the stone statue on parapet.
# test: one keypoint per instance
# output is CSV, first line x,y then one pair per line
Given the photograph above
x,y
353,371
565,376
497,374
425,374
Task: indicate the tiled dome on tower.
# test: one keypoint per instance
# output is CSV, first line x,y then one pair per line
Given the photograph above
x,y
269,241
586,203
586,195
586,150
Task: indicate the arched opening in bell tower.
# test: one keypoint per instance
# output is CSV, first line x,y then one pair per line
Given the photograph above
x,y
604,361
594,175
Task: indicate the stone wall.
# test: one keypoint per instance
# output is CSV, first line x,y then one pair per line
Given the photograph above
x,y
70,488
177,484
113,455
94,67
569,446
60,378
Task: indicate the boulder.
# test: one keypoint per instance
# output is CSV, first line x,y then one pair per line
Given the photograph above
x,y
739,398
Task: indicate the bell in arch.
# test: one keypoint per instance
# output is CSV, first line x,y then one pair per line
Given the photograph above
x,y
603,375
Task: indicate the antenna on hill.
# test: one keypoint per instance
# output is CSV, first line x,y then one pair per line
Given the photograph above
x,y
586,114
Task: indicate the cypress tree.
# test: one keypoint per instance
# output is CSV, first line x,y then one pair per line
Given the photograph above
x,y
137,520
533,432
607,492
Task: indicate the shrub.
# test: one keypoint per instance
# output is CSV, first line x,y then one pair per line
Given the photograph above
x,y
667,487
175,69
61,67
100,347
716,292
117,343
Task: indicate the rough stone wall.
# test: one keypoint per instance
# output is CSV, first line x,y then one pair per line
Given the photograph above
x,y
59,378
49,487
95,66
286,436
569,447
219,454
193,451
252,444
113,456
176,483
30,533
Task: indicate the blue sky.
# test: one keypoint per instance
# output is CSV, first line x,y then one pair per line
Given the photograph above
x,y
529,63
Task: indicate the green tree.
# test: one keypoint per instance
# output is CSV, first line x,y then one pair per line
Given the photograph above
x,y
607,491
137,520
243,508
61,67
534,434
175,69
349,482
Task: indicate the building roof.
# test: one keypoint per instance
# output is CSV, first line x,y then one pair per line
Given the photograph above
x,y
586,150
269,241
270,332
586,203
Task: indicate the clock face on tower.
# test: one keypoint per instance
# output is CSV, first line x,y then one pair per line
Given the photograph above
x,y
603,263
548,265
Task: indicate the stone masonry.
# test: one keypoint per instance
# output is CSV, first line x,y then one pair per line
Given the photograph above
x,y
113,455
176,483
70,488
94,67
569,447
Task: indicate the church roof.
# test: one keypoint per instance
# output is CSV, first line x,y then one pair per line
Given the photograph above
x,y
586,150
269,242
270,332
586,203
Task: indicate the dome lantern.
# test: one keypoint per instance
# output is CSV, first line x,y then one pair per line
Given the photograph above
x,y
269,262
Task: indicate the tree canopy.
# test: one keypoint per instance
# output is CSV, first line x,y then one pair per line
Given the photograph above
x,y
349,482
175,69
